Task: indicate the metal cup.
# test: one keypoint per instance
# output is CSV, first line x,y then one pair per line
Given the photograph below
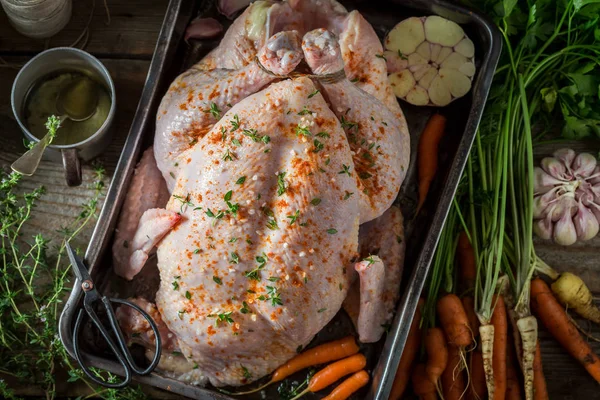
x,y
65,59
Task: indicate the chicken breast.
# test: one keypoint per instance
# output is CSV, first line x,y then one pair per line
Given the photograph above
x,y
257,265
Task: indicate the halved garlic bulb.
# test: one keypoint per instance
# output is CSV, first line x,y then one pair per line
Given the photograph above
x,y
430,60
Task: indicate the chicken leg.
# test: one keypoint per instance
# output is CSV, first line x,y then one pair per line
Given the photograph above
x,y
372,298
379,141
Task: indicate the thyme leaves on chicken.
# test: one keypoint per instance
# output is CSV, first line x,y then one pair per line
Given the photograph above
x,y
305,111
222,317
272,224
318,146
345,170
302,130
246,373
245,308
228,156
313,94
274,296
235,259
293,217
185,202
281,184
255,273
252,134
214,110
370,260
348,124
235,123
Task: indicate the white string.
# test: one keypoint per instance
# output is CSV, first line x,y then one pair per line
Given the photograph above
x,y
38,18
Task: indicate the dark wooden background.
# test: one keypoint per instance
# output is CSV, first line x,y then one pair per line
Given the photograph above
x,y
125,46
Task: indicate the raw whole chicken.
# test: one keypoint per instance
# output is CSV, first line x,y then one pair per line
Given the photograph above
x,y
270,178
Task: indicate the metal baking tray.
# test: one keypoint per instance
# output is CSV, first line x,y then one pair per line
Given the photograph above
x,y
172,56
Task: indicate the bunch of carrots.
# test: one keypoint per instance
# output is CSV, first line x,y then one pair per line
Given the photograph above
x,y
475,336
451,361
345,360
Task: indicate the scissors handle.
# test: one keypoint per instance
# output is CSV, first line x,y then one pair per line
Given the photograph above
x,y
121,339
94,377
120,348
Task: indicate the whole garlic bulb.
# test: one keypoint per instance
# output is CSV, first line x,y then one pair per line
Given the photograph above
x,y
566,204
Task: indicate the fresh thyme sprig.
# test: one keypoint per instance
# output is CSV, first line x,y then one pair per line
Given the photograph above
x,y
35,280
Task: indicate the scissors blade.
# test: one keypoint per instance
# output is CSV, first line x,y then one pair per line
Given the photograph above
x,y
79,267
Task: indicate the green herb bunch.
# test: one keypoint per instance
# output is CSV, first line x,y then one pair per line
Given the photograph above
x,y
35,278
555,45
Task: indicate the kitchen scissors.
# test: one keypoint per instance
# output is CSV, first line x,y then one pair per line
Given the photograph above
x,y
120,349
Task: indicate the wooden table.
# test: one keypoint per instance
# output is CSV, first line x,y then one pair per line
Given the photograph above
x,y
125,46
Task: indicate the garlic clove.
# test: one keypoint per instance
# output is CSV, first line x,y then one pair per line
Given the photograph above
x,y
563,205
584,165
595,189
540,207
543,181
543,228
593,207
554,167
586,223
566,156
564,230
595,177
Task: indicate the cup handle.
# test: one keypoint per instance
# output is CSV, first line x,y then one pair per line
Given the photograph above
x,y
72,167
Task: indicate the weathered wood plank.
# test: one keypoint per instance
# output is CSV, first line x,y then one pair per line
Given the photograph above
x,y
132,32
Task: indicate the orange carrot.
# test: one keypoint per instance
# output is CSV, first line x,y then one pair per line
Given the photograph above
x,y
422,385
317,355
513,385
428,154
499,322
469,306
554,318
334,372
540,392
477,387
321,354
349,386
411,348
454,320
453,379
437,354
466,261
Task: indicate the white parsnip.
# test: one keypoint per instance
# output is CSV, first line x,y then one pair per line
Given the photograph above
x,y
529,331
572,292
486,331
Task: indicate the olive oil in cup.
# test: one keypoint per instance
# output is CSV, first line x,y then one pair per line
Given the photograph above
x,y
43,101
33,99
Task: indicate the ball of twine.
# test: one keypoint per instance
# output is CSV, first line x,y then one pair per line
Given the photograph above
x,y
38,18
